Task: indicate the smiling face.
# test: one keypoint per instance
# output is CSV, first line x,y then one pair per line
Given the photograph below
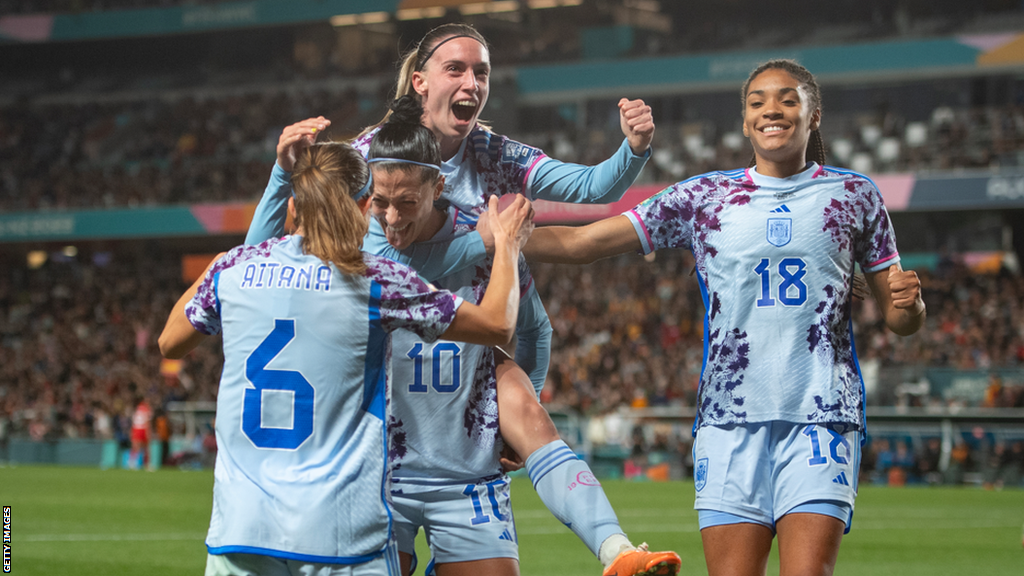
x,y
453,86
778,118
403,203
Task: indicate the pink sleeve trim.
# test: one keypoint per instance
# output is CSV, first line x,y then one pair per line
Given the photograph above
x,y
526,177
883,260
643,226
523,291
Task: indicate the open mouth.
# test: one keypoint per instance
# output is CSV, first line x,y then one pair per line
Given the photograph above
x,y
772,129
464,110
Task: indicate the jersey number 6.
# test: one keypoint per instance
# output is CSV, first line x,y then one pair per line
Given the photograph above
x,y
285,385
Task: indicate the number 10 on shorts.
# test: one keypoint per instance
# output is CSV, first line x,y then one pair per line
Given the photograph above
x,y
817,457
479,516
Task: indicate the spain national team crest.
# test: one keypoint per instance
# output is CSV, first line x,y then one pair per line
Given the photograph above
x,y
700,475
780,231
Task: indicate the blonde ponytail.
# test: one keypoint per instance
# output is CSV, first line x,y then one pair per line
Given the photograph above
x,y
325,177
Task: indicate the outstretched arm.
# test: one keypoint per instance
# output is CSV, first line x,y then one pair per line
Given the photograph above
x,y
582,244
608,181
898,294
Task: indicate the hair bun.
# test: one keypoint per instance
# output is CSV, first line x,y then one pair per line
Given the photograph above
x,y
406,110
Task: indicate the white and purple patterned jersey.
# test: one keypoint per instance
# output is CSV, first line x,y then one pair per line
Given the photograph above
x,y
775,259
486,164
301,467
444,415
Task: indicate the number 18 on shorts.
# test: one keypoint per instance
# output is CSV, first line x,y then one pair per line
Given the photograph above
x,y
762,471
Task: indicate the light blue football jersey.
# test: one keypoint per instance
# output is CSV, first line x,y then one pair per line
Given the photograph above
x,y
485,164
444,423
775,259
301,468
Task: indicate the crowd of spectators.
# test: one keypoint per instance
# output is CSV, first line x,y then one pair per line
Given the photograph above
x,y
79,6
661,450
630,332
153,152
975,322
127,147
672,27
79,333
947,139
976,456
79,346
216,149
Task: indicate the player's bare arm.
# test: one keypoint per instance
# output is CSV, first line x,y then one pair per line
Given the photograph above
x,y
582,244
898,293
179,336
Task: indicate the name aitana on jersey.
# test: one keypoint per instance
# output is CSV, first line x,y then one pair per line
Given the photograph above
x,y
309,277
301,410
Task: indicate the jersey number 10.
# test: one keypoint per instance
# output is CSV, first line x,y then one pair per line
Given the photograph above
x,y
436,353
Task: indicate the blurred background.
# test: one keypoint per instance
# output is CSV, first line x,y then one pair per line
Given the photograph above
x,y
137,135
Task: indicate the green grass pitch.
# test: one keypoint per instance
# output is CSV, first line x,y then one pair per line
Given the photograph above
x,y
81,521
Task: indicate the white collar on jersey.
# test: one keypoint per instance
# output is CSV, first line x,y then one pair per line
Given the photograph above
x,y
809,172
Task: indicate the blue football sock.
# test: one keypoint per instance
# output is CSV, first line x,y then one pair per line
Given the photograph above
x,y
571,492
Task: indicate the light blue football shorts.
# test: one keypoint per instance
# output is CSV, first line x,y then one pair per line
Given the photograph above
x,y
238,564
760,472
462,522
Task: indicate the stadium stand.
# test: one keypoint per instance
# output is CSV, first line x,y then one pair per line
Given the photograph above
x,y
189,150
80,6
78,326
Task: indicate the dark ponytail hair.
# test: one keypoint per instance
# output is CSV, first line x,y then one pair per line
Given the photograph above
x,y
403,137
815,145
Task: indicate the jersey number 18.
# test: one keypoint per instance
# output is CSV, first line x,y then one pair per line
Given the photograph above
x,y
791,291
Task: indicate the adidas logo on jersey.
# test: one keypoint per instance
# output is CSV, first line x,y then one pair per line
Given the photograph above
x,y
506,536
841,479
782,208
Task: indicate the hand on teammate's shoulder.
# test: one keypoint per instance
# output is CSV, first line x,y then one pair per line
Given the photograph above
x,y
515,221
